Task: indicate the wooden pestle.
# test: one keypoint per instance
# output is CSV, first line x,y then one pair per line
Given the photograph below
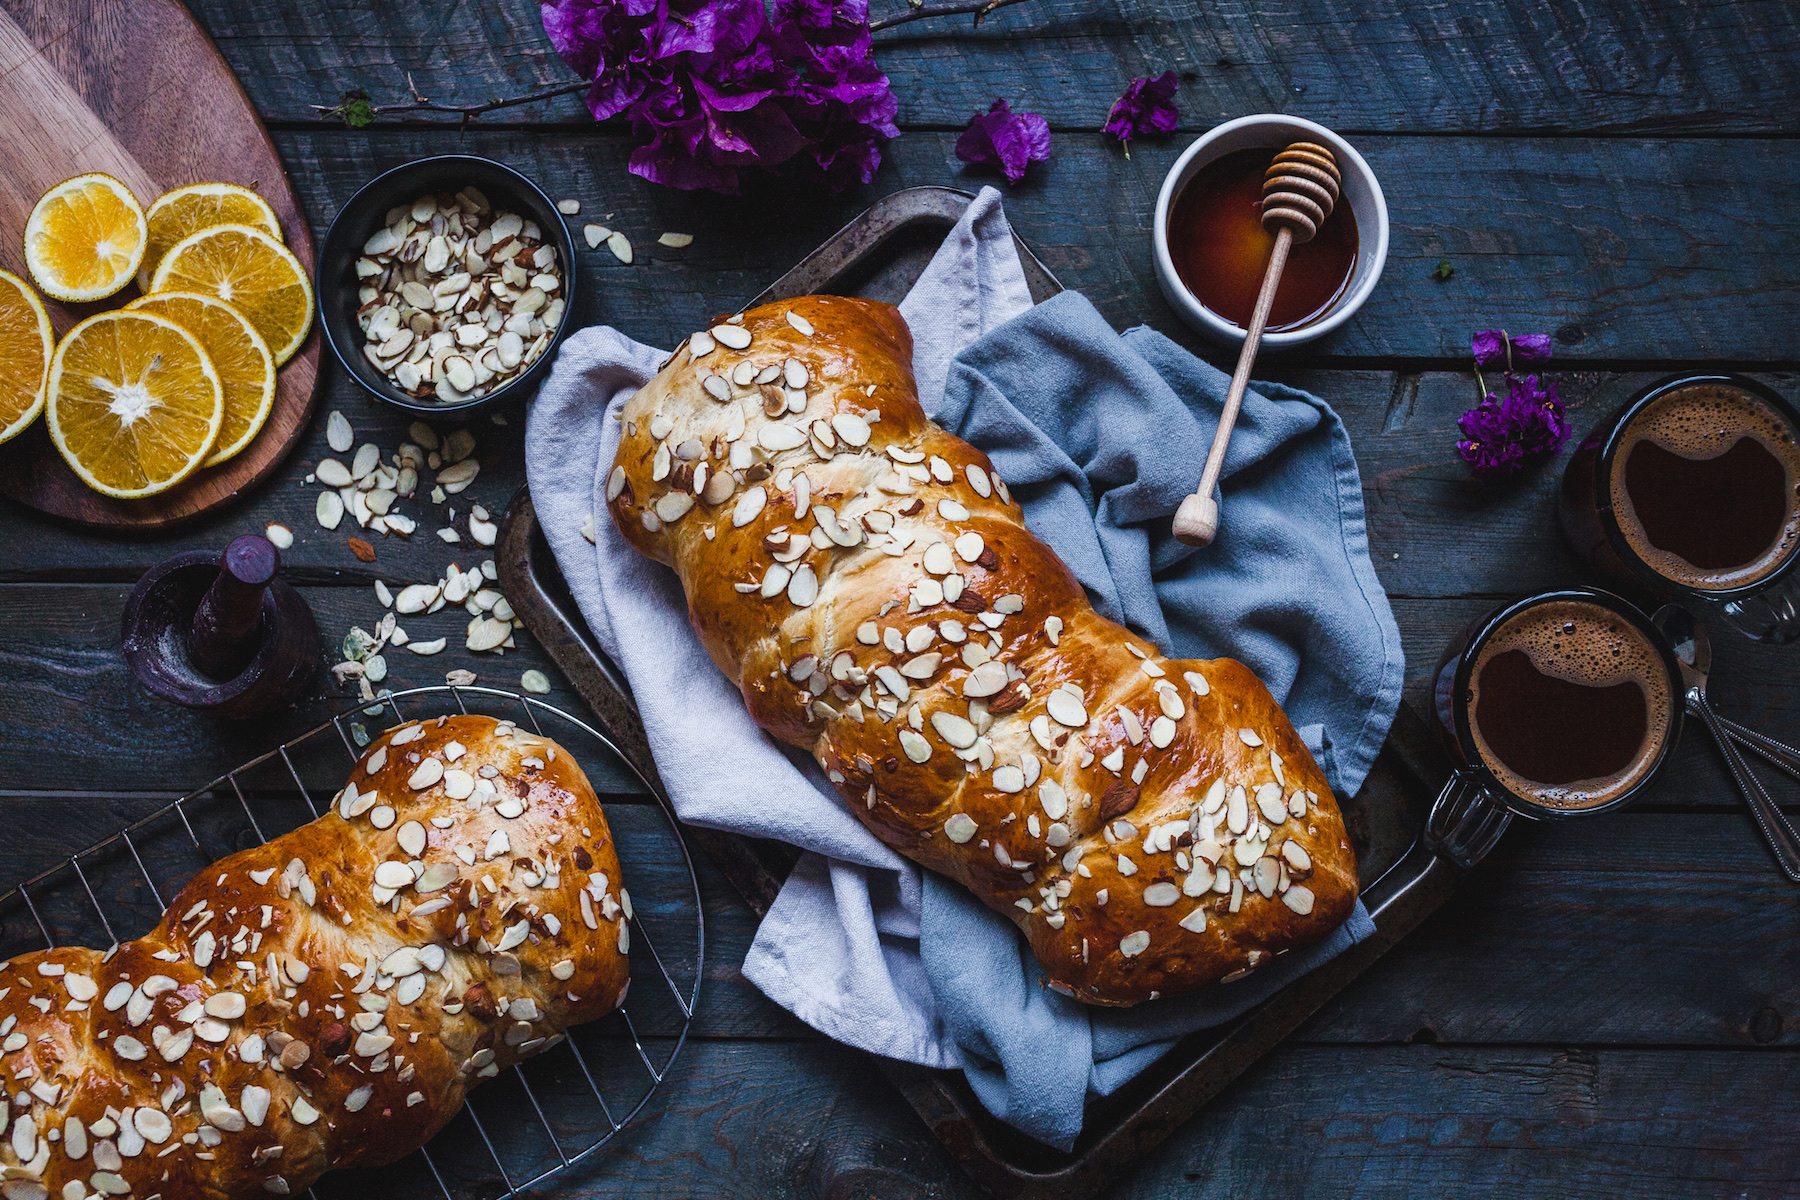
x,y
227,627
1299,190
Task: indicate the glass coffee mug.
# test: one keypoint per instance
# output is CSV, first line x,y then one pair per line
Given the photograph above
x,y
1692,489
1560,705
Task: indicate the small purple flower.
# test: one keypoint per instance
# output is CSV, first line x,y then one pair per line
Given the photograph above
x,y
1532,347
1503,435
1489,347
1147,107
1005,139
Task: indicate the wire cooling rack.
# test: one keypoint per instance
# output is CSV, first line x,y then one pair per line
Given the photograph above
x,y
518,1129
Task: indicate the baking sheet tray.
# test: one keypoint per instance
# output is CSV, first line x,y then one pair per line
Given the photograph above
x,y
878,256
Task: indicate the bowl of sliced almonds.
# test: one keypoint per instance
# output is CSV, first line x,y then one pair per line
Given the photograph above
x,y
445,284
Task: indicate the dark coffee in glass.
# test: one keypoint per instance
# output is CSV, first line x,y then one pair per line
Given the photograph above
x,y
1693,489
1557,705
1568,704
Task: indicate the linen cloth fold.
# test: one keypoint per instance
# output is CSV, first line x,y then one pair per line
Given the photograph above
x,y
1098,435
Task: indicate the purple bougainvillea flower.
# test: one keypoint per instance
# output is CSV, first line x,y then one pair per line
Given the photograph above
x,y
1003,138
714,88
841,101
606,41
1147,107
1532,347
1503,434
1489,347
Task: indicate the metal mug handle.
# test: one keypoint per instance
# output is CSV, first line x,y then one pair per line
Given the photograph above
x,y
1465,822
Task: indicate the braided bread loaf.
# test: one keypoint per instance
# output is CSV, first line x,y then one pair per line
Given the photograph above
x,y
868,582
327,999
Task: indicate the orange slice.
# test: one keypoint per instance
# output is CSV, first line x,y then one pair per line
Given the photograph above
x,y
238,353
26,344
85,238
252,272
134,404
187,210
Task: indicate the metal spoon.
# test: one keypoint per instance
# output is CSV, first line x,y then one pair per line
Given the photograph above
x,y
1694,653
1778,753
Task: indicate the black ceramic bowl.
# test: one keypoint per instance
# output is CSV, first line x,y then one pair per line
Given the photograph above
x,y
366,212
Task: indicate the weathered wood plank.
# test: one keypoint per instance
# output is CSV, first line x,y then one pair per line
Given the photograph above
x,y
1626,249
318,556
1646,928
743,1119
43,551
1484,66
1427,1120
77,720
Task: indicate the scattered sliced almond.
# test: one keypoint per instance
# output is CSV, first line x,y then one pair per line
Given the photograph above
x,y
329,510
620,245
338,434
535,682
333,473
486,633
595,234
675,241
279,535
568,208
457,476
435,646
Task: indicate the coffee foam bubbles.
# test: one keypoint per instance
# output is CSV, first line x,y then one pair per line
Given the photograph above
x,y
1592,646
1703,421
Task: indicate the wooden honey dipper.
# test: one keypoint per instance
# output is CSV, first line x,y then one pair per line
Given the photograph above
x,y
1299,190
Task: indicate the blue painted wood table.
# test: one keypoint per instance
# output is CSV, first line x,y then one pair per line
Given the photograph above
x,y
1604,1010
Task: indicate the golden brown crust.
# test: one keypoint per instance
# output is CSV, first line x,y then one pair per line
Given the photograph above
x,y
291,1015
1092,829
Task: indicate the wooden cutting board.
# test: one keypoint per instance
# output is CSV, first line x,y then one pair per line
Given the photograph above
x,y
136,89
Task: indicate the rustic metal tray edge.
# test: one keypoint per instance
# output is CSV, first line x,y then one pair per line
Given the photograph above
x,y
1412,886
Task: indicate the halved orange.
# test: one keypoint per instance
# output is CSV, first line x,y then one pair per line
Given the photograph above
x,y
184,211
238,353
85,238
252,272
134,404
26,344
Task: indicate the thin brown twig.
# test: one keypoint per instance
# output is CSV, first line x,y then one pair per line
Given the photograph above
x,y
981,8
421,103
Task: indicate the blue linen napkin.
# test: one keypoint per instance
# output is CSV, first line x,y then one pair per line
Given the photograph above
x,y
1099,436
